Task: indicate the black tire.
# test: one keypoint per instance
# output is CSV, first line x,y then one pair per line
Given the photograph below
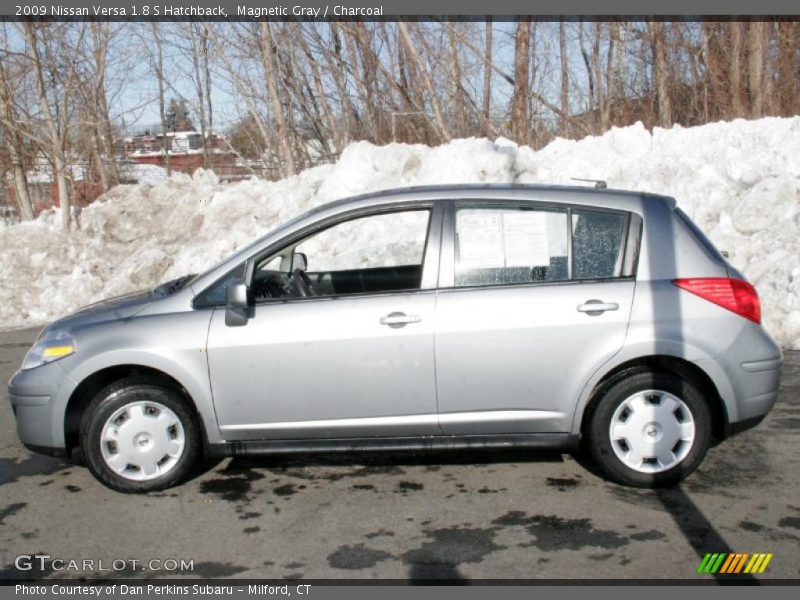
x,y
114,397
609,398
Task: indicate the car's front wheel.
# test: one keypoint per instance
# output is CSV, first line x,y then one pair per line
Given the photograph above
x,y
649,428
139,435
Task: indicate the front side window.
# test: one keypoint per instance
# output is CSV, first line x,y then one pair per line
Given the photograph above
x,y
371,254
514,245
372,242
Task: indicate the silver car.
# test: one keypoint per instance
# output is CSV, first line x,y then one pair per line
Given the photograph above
x,y
422,318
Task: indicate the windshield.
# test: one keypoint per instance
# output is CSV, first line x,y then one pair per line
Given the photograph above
x,y
247,250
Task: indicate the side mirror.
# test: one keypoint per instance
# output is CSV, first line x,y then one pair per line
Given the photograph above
x,y
299,261
237,305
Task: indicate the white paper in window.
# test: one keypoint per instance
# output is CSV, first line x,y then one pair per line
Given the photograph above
x,y
480,239
525,235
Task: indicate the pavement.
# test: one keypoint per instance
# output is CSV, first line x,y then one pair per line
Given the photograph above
x,y
476,515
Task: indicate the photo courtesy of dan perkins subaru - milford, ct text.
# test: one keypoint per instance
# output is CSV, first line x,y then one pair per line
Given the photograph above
x,y
302,589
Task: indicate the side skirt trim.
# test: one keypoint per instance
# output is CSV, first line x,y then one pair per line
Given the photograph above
x,y
550,441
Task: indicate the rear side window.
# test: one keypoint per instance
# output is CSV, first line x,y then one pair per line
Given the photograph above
x,y
499,247
502,246
597,241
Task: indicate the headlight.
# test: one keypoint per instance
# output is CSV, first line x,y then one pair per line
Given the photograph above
x,y
51,346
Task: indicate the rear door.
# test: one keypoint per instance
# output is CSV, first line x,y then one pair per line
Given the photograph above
x,y
532,299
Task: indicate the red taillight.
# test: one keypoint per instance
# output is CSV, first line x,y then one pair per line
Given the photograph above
x,y
734,294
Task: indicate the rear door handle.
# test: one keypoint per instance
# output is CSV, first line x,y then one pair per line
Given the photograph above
x,y
597,307
396,320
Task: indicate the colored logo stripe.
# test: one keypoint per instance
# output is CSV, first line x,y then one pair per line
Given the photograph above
x,y
733,563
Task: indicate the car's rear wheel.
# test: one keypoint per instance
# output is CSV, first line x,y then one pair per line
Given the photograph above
x,y
139,435
649,429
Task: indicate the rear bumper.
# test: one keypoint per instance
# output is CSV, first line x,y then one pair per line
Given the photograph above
x,y
740,426
747,376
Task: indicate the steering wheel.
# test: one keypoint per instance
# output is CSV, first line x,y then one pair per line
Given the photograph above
x,y
301,284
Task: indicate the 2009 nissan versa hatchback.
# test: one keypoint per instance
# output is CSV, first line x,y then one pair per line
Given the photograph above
x,y
442,317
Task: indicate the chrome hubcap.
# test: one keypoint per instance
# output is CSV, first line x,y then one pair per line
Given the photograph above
x,y
142,441
652,431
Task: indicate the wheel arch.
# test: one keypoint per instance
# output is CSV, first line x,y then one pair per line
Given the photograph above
x,y
92,384
668,364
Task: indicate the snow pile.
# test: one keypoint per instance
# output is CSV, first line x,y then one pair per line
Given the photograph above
x,y
144,173
739,181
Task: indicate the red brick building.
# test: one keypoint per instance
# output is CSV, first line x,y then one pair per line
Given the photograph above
x,y
186,152
186,155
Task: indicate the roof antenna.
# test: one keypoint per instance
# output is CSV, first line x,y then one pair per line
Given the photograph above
x,y
599,184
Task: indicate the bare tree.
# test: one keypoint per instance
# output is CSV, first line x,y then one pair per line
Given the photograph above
x,y
562,51
91,82
14,144
199,46
756,42
520,119
54,85
487,77
158,69
414,57
661,73
271,71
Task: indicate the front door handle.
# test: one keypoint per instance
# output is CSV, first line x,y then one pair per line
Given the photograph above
x,y
396,320
594,308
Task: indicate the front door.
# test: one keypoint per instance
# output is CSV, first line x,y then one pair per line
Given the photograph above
x,y
354,358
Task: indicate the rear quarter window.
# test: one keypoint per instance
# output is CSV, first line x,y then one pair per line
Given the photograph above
x,y
598,240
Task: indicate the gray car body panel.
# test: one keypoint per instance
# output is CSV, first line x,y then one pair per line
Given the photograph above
x,y
534,368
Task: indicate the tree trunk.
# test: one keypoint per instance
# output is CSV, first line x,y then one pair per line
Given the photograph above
x,y
597,67
21,187
205,47
196,50
55,130
270,69
458,115
735,69
788,67
661,73
162,110
611,91
359,76
15,150
755,67
487,78
520,119
439,122
564,99
101,37
337,65
587,63
316,77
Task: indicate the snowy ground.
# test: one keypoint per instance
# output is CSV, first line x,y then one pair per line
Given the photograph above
x,y
740,181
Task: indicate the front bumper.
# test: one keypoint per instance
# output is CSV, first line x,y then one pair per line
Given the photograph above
x,y
32,395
